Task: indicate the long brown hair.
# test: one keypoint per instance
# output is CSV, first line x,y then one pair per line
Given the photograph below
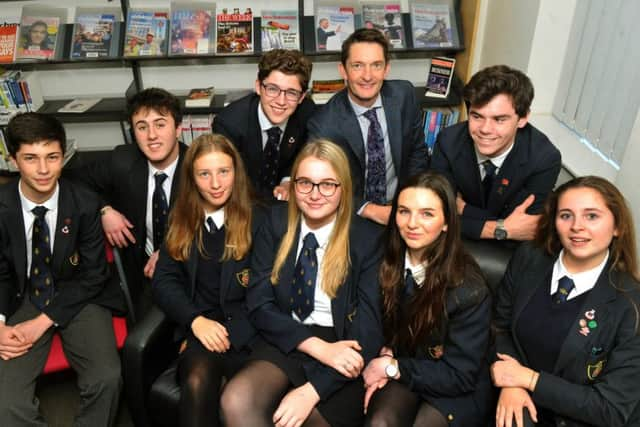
x,y
336,261
622,250
186,220
446,263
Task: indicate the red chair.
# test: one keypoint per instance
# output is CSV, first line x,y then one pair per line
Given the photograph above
x,y
57,361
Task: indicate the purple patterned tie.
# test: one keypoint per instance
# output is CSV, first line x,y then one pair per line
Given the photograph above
x,y
376,186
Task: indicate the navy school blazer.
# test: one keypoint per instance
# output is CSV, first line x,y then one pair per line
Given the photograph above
x,y
355,309
595,379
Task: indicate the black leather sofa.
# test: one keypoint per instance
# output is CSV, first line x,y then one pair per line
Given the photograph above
x,y
149,354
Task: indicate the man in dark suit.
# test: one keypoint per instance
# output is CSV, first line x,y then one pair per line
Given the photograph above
x,y
269,126
376,121
137,184
501,166
53,277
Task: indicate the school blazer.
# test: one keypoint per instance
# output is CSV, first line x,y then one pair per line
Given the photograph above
x,y
595,379
239,122
174,289
532,167
355,309
78,265
450,370
337,122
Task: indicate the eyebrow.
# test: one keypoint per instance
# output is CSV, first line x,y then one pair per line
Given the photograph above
x,y
153,121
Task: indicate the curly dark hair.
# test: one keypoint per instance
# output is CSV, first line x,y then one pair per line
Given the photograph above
x,y
500,79
290,62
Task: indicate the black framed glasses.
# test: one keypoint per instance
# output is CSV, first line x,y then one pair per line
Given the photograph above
x,y
326,188
273,91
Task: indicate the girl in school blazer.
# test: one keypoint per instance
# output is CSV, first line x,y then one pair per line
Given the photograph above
x,y
433,369
203,271
318,332
567,315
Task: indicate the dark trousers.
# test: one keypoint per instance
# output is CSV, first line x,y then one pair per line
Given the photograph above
x,y
90,347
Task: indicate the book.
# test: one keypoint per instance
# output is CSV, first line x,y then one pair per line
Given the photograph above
x,y
38,37
93,35
146,33
234,32
439,77
323,90
8,39
279,30
431,26
191,30
387,18
79,105
200,97
333,25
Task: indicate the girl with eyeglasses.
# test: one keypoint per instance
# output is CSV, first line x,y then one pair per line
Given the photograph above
x,y
203,271
567,315
433,370
314,299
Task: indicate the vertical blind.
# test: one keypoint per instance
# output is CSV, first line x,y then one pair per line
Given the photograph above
x,y
599,91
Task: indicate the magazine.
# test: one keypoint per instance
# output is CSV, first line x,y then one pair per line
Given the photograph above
x,y
38,36
279,29
191,31
323,90
439,77
333,25
146,33
386,18
234,32
431,26
93,35
199,97
8,36
79,105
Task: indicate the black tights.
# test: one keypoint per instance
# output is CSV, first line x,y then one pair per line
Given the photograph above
x,y
396,405
253,395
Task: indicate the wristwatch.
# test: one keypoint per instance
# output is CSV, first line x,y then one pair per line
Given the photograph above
x,y
392,369
500,233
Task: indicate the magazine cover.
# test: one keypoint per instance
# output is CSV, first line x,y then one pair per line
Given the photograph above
x,y
8,36
439,77
234,32
38,36
431,26
92,35
146,33
279,29
386,18
333,25
191,32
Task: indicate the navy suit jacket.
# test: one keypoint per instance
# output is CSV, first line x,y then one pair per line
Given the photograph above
x,y
355,309
532,167
122,180
78,265
577,392
337,122
239,122
456,379
174,290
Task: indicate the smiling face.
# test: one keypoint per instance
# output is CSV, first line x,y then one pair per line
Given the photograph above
x,y
318,210
585,226
278,109
493,126
364,71
40,165
157,136
214,176
420,220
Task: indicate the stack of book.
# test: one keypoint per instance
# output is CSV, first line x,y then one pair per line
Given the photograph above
x,y
323,90
18,93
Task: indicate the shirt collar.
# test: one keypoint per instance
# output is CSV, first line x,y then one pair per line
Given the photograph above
x,y
51,203
497,160
265,123
583,281
217,216
322,234
360,110
169,170
417,271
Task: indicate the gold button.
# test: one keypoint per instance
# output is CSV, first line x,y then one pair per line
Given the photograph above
x,y
450,417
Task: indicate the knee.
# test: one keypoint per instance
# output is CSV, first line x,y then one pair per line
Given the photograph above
x,y
236,400
196,384
107,380
382,419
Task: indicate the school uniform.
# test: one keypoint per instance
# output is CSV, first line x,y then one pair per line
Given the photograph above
x,y
354,314
593,374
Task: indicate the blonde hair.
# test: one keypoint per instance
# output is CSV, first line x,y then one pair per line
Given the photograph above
x,y
186,219
336,261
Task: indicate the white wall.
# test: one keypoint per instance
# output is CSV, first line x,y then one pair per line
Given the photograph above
x,y
542,37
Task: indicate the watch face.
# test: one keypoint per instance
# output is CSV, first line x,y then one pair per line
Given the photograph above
x,y
391,370
500,234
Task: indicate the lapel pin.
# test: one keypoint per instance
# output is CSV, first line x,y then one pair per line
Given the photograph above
x,y
505,182
590,315
65,230
584,331
596,351
292,140
67,221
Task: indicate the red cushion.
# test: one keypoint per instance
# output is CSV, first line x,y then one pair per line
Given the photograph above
x,y
57,361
